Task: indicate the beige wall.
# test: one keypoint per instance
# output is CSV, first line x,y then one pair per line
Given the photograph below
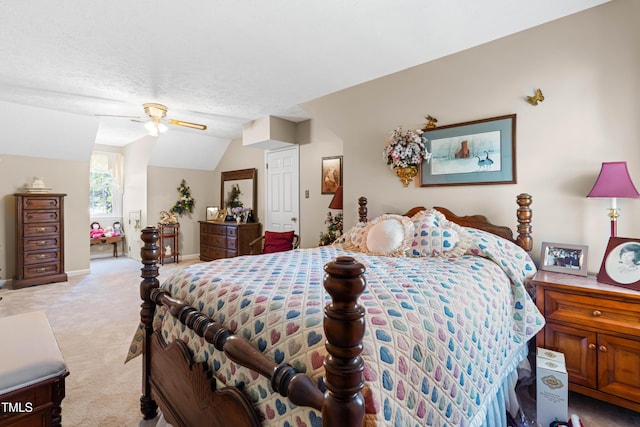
x,y
587,66
163,193
69,177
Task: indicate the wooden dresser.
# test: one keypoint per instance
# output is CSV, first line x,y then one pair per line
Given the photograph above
x,y
39,239
597,327
226,239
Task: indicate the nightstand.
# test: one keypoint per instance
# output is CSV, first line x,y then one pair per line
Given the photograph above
x,y
597,327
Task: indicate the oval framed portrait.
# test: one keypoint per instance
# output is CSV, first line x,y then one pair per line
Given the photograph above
x,y
621,263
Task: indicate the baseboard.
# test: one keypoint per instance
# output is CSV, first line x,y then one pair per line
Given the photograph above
x,y
78,272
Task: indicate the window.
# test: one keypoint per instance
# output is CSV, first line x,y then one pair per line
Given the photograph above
x,y
105,194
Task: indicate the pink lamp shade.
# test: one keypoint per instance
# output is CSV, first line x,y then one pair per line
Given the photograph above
x,y
336,202
614,181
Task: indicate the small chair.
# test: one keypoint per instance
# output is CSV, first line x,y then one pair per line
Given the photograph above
x,y
274,241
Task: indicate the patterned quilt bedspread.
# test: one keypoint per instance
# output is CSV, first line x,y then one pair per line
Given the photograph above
x,y
441,334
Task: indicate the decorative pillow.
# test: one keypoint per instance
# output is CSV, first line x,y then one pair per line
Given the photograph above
x,y
355,238
389,235
436,236
277,241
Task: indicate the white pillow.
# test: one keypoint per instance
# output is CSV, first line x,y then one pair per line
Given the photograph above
x,y
389,235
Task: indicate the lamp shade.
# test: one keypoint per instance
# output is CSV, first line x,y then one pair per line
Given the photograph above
x,y
614,181
336,202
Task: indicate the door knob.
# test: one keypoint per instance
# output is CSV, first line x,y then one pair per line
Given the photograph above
x,y
294,219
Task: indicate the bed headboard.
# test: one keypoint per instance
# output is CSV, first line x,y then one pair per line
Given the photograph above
x,y
523,215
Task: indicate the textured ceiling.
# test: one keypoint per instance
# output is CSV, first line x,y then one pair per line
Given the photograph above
x,y
224,63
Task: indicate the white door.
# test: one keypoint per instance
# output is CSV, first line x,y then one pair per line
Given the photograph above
x,y
282,193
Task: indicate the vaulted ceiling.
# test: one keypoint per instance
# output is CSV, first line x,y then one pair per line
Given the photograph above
x,y
225,63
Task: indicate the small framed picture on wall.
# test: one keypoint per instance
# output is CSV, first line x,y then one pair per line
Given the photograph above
x,y
621,263
331,174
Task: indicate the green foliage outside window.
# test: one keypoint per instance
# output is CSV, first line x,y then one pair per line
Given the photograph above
x,y
100,193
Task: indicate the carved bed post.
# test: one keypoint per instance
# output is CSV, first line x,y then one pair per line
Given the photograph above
x,y
344,330
149,273
524,221
362,210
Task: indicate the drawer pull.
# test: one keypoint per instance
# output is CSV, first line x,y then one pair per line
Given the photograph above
x,y
41,243
40,230
41,270
592,346
597,313
603,349
41,256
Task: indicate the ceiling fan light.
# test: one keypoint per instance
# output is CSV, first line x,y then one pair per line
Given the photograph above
x,y
162,127
150,126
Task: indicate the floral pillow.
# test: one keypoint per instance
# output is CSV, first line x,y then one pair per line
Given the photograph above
x,y
436,236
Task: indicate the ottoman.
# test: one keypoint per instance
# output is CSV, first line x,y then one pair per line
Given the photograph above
x,y
32,372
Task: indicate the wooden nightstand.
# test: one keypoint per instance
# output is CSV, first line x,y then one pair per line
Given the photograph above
x,y
597,327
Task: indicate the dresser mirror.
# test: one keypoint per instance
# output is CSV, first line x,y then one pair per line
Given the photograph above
x,y
239,186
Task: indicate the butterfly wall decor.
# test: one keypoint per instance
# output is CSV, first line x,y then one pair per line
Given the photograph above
x,y
537,97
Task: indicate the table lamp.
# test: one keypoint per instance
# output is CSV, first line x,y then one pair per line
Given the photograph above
x,y
614,182
336,202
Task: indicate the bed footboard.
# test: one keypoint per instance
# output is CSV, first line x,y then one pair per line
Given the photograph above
x,y
341,404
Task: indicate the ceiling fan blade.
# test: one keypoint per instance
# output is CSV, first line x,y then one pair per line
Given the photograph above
x,y
187,124
117,115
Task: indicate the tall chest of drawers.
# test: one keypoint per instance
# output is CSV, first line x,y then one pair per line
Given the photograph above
x,y
226,239
39,239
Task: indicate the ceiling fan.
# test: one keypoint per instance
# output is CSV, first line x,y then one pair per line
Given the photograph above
x,y
157,113
156,123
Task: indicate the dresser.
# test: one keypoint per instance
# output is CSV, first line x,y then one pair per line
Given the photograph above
x,y
39,239
226,239
597,327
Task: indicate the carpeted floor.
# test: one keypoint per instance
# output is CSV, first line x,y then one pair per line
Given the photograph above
x,y
94,318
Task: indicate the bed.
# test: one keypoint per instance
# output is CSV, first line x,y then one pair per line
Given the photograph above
x,y
340,336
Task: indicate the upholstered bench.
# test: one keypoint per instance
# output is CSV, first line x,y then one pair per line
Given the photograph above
x,y
32,372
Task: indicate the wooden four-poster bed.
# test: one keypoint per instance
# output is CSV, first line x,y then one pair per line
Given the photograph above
x,y
426,339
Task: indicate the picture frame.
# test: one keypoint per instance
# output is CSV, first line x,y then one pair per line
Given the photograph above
x,y
564,258
471,153
222,215
212,213
331,174
621,263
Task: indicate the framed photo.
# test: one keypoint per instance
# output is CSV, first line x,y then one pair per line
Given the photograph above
x,y
331,174
477,152
621,263
212,213
221,215
564,258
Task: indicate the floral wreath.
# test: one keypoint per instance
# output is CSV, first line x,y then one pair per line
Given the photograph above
x,y
405,149
185,203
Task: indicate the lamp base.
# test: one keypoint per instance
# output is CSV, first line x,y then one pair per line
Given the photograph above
x,y
613,214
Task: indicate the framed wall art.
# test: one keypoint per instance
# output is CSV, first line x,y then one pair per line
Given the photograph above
x,y
477,152
621,263
564,258
331,174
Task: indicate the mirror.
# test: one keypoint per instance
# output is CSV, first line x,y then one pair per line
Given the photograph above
x,y
240,186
